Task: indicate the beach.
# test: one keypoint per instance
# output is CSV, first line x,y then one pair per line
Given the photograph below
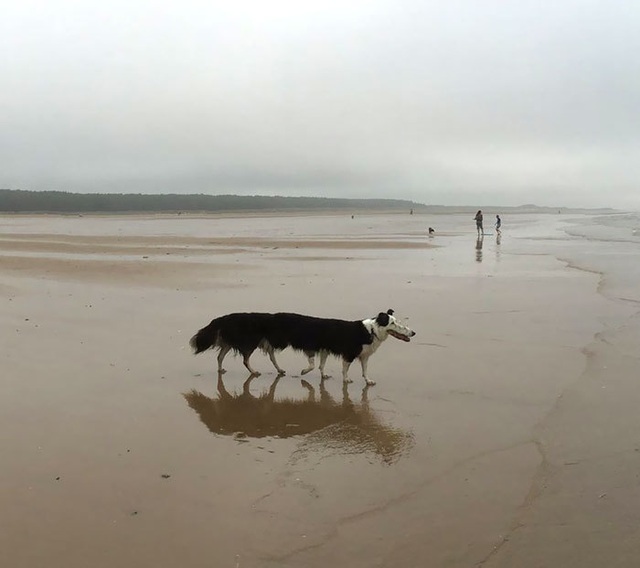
x,y
506,433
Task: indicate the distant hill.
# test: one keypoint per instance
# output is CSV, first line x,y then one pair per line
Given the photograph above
x,y
21,201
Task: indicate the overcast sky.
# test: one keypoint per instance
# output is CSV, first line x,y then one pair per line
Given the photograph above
x,y
443,102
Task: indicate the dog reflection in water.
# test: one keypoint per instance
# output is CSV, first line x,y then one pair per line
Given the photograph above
x,y
344,426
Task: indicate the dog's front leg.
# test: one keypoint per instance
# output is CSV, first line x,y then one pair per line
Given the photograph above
x,y
363,363
323,361
245,360
345,370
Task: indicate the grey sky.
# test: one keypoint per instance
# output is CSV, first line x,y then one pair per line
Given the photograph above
x,y
448,102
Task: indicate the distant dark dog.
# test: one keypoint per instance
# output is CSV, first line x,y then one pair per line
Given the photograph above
x,y
245,332
431,230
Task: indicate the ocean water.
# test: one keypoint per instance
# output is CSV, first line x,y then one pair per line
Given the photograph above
x,y
623,227
609,244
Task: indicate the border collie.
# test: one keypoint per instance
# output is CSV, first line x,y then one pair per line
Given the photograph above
x,y
245,332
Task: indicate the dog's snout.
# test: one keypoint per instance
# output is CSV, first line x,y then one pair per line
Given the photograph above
x,y
412,333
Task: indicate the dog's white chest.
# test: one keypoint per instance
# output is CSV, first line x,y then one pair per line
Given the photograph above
x,y
369,349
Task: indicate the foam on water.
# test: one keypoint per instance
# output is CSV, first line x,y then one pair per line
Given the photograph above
x,y
609,244
622,227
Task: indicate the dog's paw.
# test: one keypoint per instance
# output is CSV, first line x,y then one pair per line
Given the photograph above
x,y
369,382
282,373
325,377
305,371
346,380
222,371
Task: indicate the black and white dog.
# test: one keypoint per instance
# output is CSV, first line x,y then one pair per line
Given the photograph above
x,y
245,332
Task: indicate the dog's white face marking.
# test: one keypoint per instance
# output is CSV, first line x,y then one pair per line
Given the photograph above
x,y
399,331
393,328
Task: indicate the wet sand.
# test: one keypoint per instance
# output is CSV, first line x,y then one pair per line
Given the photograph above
x,y
503,434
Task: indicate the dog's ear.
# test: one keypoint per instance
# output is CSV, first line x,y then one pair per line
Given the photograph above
x,y
390,311
382,319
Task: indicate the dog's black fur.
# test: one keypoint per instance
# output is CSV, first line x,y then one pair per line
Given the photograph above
x,y
242,332
245,332
311,334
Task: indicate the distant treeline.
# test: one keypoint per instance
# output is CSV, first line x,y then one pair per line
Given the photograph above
x,y
21,201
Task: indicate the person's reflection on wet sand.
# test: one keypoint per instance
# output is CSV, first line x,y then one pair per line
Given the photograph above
x,y
343,426
479,243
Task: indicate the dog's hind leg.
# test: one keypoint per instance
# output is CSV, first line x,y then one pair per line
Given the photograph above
x,y
272,356
312,362
345,370
247,364
363,363
323,361
224,349
270,350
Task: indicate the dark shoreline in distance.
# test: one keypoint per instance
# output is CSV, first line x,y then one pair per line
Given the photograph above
x,y
62,202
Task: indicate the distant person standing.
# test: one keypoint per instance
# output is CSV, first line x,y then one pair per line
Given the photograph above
x,y
498,224
478,219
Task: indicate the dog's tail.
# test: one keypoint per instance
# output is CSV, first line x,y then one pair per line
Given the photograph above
x,y
205,338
